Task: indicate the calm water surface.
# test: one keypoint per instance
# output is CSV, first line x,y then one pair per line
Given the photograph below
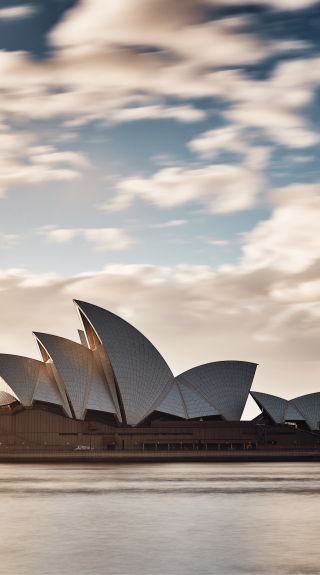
x,y
161,519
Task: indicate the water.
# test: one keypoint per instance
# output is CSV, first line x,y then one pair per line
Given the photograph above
x,y
161,519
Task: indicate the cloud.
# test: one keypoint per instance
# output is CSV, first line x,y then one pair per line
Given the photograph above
x,y
48,155
276,106
276,4
185,114
215,242
123,60
170,224
220,188
128,60
212,142
181,31
103,239
282,126
232,139
23,162
17,12
8,240
289,240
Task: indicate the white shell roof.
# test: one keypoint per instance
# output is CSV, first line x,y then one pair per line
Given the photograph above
x,y
183,401
99,397
47,389
77,373
195,404
275,406
28,380
309,406
304,408
124,368
141,374
292,413
21,374
173,403
225,385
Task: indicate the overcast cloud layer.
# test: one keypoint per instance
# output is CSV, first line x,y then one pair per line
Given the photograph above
x,y
161,159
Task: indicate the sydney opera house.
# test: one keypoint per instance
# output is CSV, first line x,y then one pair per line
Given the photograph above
x,y
113,393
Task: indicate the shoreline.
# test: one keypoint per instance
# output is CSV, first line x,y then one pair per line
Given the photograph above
x,y
165,457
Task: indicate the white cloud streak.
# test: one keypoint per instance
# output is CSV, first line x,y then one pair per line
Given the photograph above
x,y
17,12
289,5
289,241
220,188
170,224
102,239
185,114
212,142
8,240
276,106
22,162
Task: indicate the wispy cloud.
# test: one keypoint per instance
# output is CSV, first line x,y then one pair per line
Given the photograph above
x,y
212,142
9,240
17,12
23,162
104,239
221,188
276,106
183,113
289,5
48,155
170,224
289,239
216,242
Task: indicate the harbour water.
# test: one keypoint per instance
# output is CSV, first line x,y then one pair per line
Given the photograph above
x,y
160,519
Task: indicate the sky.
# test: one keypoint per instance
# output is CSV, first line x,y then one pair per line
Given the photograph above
x,y
161,159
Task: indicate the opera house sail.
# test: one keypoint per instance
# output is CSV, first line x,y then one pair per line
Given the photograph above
x,y
114,392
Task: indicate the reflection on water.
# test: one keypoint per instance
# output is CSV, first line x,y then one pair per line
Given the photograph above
x,y
160,519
